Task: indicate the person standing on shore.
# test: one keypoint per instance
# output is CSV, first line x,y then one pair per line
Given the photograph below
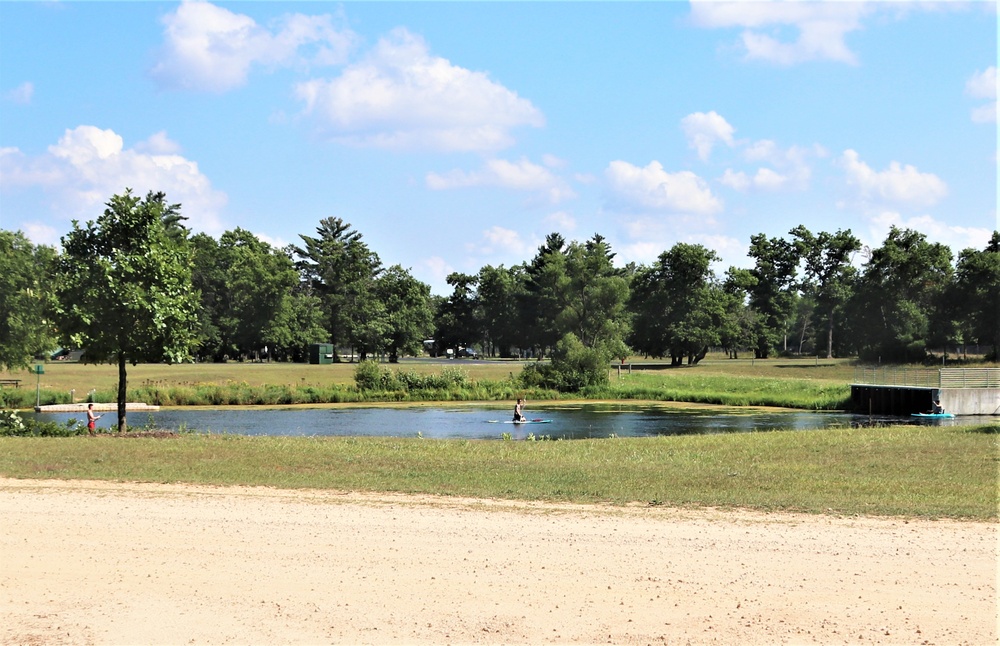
x,y
92,420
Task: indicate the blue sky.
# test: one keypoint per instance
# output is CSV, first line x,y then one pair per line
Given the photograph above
x,y
454,135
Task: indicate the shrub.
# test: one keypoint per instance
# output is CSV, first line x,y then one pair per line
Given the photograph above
x,y
574,367
13,424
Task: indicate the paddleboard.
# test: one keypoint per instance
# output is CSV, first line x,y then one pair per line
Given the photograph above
x,y
528,421
932,414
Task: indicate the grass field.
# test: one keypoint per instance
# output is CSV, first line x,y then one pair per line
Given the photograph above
x,y
83,378
908,471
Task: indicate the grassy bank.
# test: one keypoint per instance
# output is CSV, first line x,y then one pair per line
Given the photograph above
x,y
806,384
909,471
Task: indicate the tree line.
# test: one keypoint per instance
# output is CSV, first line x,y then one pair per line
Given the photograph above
x,y
137,285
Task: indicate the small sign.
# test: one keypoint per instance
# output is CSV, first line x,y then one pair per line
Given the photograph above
x,y
39,369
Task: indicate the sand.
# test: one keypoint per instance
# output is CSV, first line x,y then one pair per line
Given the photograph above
x,y
125,563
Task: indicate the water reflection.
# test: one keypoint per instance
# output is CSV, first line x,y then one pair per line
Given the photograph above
x,y
587,421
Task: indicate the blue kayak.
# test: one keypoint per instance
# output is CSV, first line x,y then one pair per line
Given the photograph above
x,y
937,415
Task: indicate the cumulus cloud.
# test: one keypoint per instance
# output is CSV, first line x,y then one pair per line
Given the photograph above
x,y
521,175
653,188
41,233
955,237
897,185
983,85
22,94
500,240
790,168
705,129
209,48
561,221
787,33
402,97
88,165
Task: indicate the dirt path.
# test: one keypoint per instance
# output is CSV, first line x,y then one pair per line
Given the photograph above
x,y
99,563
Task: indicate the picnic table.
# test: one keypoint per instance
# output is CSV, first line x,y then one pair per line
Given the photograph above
x,y
16,383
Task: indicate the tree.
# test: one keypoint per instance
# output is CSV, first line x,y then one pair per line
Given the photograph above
x,y
341,269
258,280
596,298
976,295
678,308
457,323
500,293
772,296
407,303
829,275
124,289
546,291
26,299
897,294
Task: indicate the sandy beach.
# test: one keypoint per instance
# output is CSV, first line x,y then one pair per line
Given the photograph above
x,y
124,563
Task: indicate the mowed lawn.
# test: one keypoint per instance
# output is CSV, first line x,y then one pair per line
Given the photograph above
x,y
82,378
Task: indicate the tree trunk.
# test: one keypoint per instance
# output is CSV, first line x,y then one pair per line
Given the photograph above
x,y
829,338
122,393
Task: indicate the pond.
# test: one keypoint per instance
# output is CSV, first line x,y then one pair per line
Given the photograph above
x,y
472,422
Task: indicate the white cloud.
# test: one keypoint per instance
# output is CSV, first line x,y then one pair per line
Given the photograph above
x,y
276,242
787,33
562,221
208,48
704,130
955,237
737,180
499,240
983,85
88,165
22,94
401,97
158,144
40,233
653,188
898,184
521,176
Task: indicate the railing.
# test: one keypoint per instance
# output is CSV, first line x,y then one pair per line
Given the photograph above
x,y
926,377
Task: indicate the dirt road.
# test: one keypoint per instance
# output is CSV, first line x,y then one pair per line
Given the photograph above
x,y
101,563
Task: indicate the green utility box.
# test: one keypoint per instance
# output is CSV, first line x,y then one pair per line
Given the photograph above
x,y
321,353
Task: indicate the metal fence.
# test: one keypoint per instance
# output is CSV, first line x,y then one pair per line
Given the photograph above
x,y
927,377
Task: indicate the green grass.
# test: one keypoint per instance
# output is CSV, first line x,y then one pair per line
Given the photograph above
x,y
728,390
908,471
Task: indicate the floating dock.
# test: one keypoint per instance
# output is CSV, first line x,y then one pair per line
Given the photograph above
x,y
904,391
82,408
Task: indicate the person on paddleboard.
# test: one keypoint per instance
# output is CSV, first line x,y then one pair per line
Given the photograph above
x,y
518,413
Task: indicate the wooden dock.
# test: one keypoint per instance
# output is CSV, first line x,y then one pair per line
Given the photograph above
x,y
98,407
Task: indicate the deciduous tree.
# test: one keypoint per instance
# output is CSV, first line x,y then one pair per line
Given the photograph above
x,y
124,289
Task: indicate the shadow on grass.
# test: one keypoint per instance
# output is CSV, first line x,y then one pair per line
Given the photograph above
x,y
988,429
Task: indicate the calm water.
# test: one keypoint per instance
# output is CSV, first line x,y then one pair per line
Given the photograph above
x,y
588,421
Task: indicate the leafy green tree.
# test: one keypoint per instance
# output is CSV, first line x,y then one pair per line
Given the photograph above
x,y
27,300
976,294
500,294
900,287
208,278
297,324
772,297
678,308
458,323
258,281
596,298
829,275
409,316
124,289
342,270
739,321
546,293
